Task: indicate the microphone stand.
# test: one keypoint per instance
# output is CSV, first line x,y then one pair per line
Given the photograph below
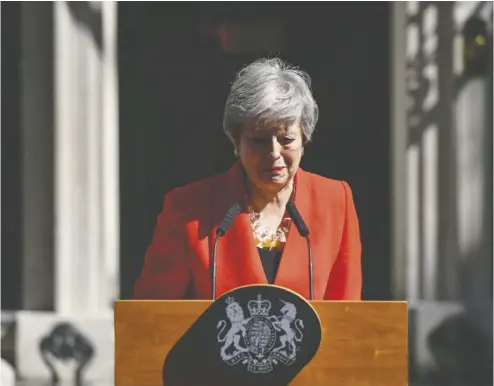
x,y
311,269
219,233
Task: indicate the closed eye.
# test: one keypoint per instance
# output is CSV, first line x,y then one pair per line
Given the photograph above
x,y
258,140
263,140
285,140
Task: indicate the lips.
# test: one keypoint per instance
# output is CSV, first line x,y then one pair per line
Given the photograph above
x,y
276,168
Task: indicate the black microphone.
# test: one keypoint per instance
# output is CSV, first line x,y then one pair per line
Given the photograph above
x,y
225,224
304,232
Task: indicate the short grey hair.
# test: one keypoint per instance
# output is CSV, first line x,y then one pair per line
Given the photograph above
x,y
272,92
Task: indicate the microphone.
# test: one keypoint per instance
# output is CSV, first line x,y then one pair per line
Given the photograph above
x,y
304,232
225,224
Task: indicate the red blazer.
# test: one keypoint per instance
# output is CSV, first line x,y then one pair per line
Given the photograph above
x,y
177,261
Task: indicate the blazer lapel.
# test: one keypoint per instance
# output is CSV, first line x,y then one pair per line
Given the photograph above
x,y
237,259
293,271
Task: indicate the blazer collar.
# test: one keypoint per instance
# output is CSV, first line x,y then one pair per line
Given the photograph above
x,y
238,261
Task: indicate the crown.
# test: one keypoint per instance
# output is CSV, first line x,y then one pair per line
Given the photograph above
x,y
230,300
259,307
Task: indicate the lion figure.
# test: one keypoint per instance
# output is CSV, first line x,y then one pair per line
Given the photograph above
x,y
235,315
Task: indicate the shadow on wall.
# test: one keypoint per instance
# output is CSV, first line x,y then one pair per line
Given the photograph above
x,y
462,353
88,16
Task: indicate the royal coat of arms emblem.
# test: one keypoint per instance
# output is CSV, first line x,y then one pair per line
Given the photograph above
x,y
262,340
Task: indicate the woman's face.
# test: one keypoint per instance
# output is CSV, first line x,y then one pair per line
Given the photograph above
x,y
271,156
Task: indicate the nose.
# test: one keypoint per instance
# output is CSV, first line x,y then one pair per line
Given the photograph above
x,y
275,148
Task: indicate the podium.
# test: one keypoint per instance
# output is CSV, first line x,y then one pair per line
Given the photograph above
x,y
354,343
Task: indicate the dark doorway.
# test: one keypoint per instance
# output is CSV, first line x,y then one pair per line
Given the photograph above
x,y
12,210
176,62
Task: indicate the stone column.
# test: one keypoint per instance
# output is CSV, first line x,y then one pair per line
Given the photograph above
x,y
86,157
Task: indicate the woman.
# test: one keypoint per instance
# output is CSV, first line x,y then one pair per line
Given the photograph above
x,y
270,116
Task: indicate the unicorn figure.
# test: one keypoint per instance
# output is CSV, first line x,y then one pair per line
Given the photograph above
x,y
284,324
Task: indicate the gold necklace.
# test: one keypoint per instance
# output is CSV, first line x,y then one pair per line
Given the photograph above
x,y
263,236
